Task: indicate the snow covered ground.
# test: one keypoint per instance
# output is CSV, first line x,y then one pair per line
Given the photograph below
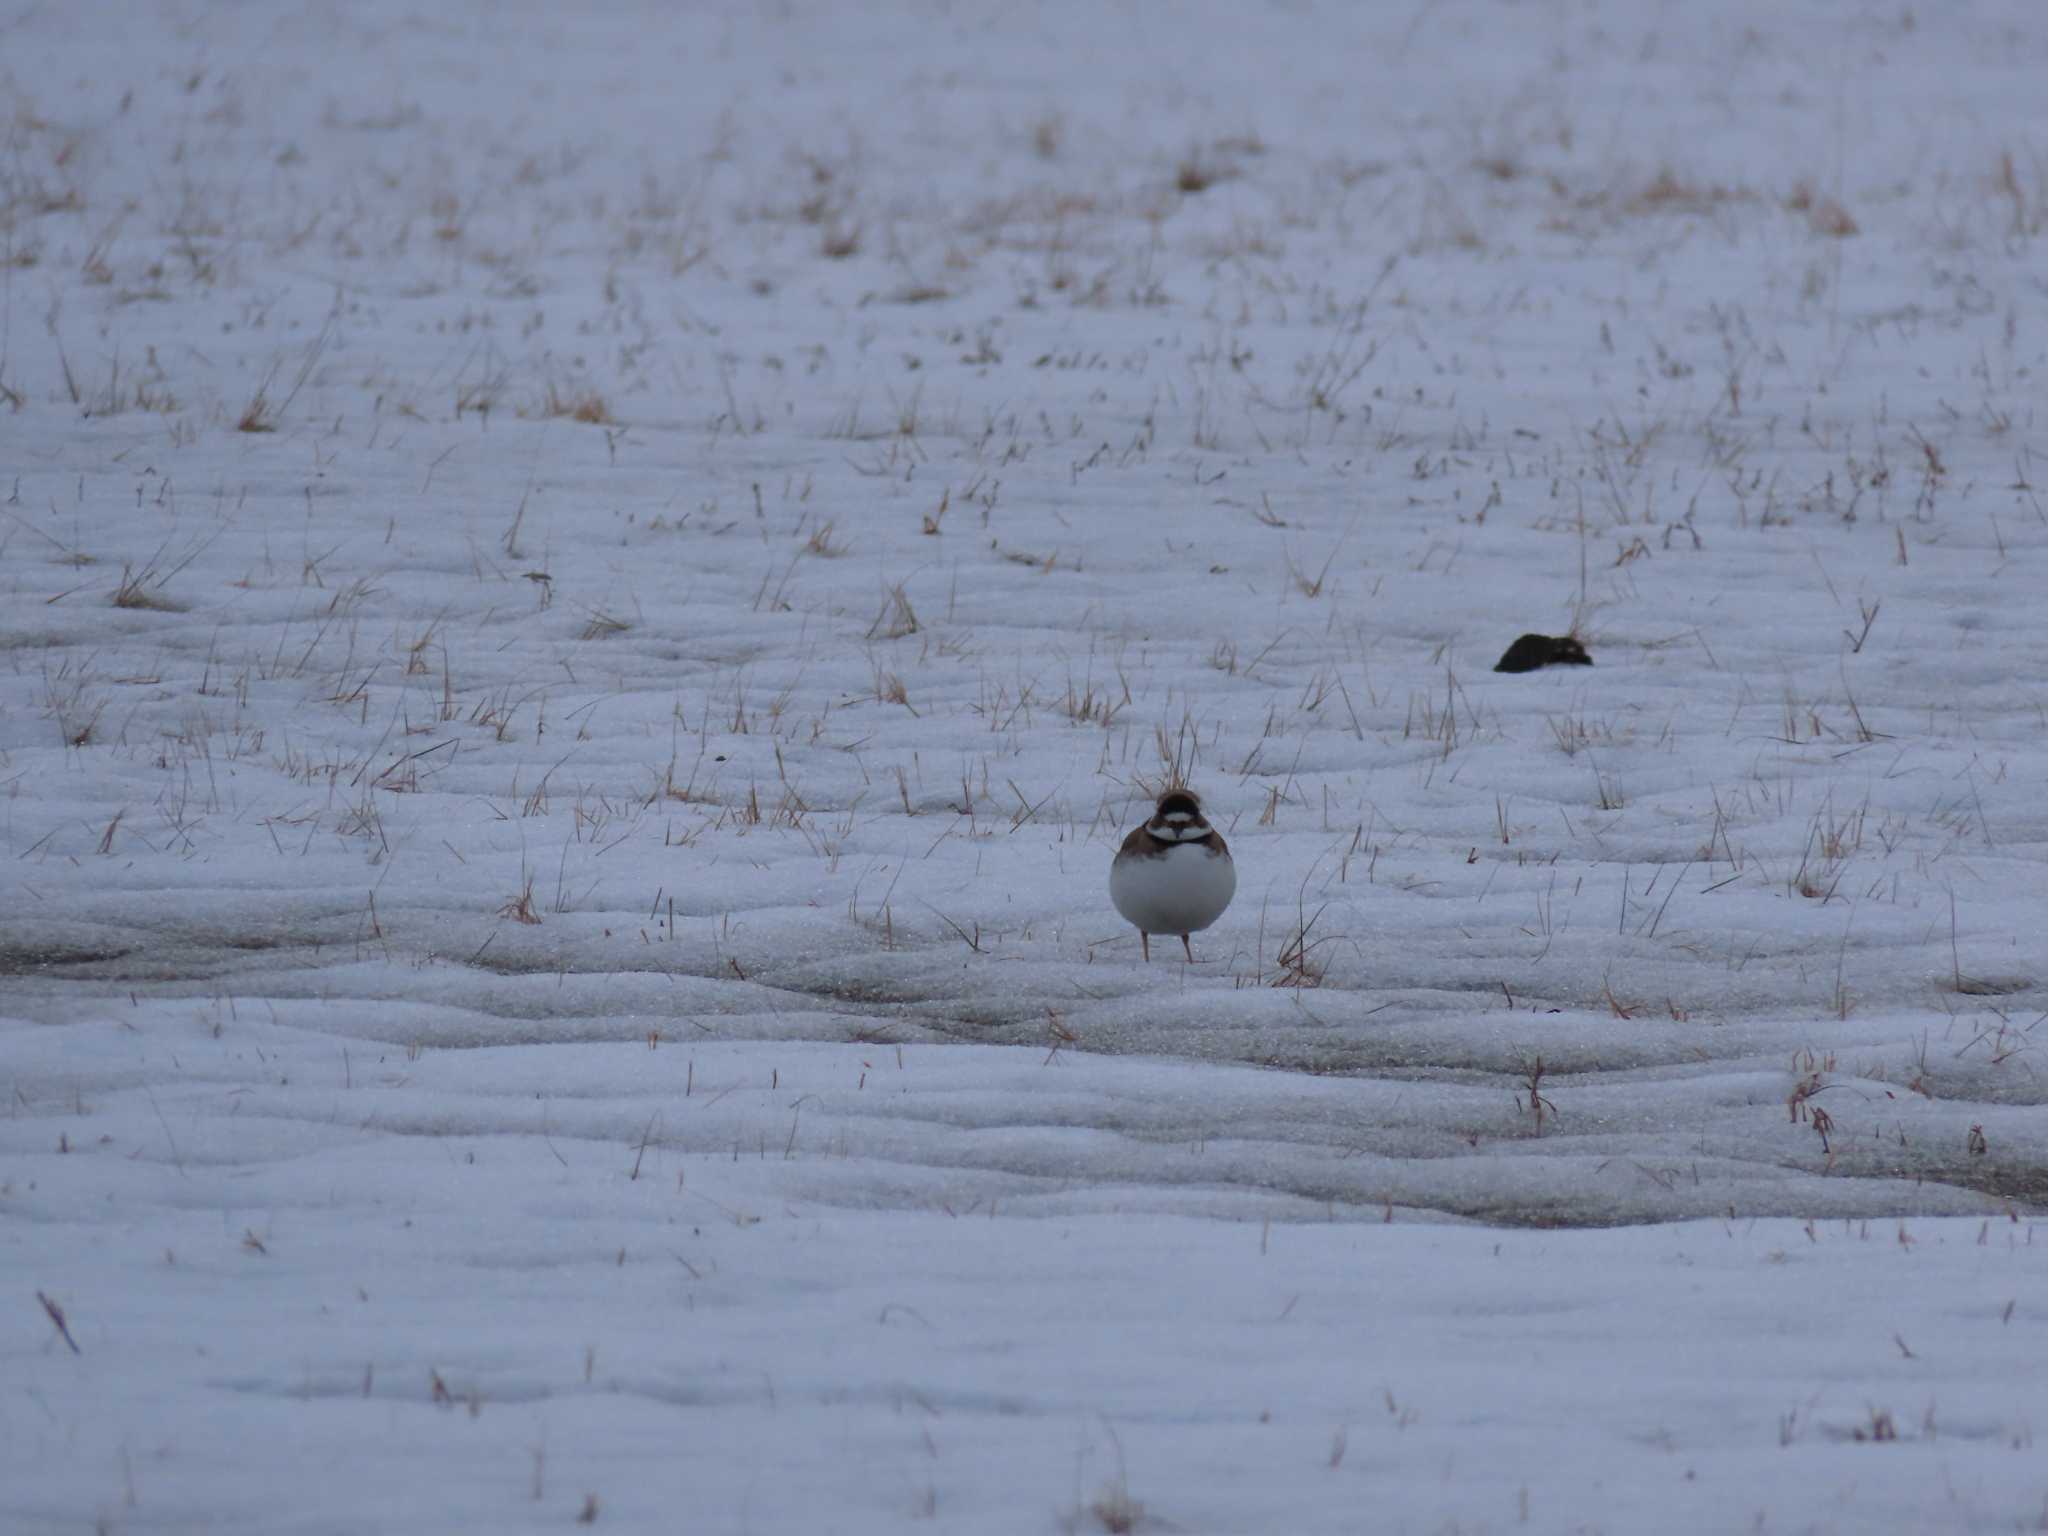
x,y
585,598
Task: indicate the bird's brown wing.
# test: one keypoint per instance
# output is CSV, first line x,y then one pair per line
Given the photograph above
x,y
1139,845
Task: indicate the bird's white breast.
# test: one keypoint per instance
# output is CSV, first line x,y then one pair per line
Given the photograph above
x,y
1183,892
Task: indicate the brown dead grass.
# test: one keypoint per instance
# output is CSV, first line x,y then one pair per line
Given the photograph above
x,y
582,405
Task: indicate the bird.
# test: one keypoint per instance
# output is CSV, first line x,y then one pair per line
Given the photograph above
x,y
1533,651
1173,874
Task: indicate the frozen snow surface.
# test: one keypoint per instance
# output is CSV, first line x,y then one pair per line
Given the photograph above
x,y
586,594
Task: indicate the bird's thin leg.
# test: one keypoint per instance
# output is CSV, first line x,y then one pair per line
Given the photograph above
x,y
1188,947
1145,943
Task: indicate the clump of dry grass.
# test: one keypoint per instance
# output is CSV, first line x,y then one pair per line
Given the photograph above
x,y
1824,215
890,689
142,589
1197,175
897,617
1198,172
78,719
1310,586
1203,167
1298,964
1669,192
2029,209
585,405
1090,705
262,414
1116,1511
840,239
259,415
1113,1509
520,908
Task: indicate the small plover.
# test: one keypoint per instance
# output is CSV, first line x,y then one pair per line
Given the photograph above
x,y
1173,875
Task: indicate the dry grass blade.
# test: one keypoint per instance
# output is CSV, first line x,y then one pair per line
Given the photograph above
x,y
262,414
1298,963
57,1321
897,618
1531,1101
